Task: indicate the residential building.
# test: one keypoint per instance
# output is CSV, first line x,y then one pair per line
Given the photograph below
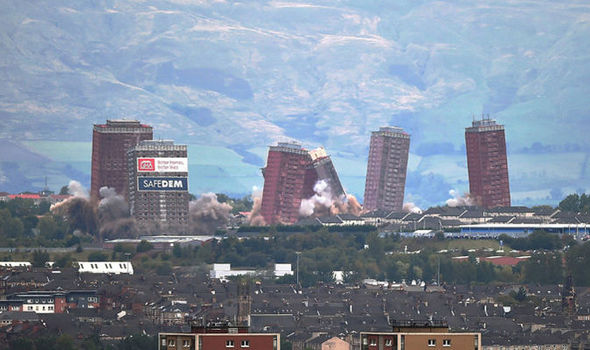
x,y
106,267
219,336
290,176
487,164
386,169
287,167
50,302
419,335
110,143
324,170
158,185
336,343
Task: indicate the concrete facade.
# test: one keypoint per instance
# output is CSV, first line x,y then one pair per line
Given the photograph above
x,y
166,208
386,169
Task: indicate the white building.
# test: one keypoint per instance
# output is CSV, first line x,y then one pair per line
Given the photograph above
x,y
282,270
222,271
112,267
15,264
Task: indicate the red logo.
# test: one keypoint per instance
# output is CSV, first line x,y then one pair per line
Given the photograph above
x,y
146,164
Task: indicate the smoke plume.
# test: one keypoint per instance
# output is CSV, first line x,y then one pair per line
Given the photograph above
x,y
255,218
112,206
410,207
76,190
206,214
77,210
324,203
113,215
459,201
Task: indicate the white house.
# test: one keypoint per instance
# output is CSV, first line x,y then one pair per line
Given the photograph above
x,y
15,264
282,270
113,267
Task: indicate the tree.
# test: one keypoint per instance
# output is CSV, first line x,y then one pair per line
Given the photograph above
x,y
48,227
63,261
22,344
138,342
544,268
64,342
97,256
521,295
40,257
578,260
64,190
144,246
570,203
177,251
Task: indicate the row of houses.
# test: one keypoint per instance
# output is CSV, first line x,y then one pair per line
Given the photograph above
x,y
467,221
48,302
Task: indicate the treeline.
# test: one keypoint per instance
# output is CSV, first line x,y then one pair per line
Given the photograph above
x,y
576,203
307,228
92,342
538,240
23,222
366,255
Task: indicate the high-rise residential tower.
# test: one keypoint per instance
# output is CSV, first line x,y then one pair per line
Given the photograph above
x,y
110,143
287,167
386,169
158,185
290,175
487,163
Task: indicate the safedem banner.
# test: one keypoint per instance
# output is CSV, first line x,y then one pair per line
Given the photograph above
x,y
172,184
162,165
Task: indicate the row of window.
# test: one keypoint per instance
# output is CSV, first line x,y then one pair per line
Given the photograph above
x,y
244,344
108,265
172,343
431,342
30,308
186,343
446,342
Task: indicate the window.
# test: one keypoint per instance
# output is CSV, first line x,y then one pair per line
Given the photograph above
x,y
245,343
446,342
373,342
431,342
186,343
387,342
229,343
171,342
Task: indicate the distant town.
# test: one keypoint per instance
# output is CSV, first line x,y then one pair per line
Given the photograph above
x,y
141,263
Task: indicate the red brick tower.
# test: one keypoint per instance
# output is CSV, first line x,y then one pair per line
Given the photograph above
x,y
288,178
487,164
110,143
386,169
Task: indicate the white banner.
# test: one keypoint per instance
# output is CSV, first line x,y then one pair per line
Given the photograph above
x,y
162,165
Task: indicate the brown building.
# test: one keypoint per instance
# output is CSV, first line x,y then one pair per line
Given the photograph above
x,y
420,335
487,164
221,336
386,169
110,143
158,185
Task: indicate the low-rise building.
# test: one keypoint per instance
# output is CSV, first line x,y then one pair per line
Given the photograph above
x,y
105,267
420,335
219,336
